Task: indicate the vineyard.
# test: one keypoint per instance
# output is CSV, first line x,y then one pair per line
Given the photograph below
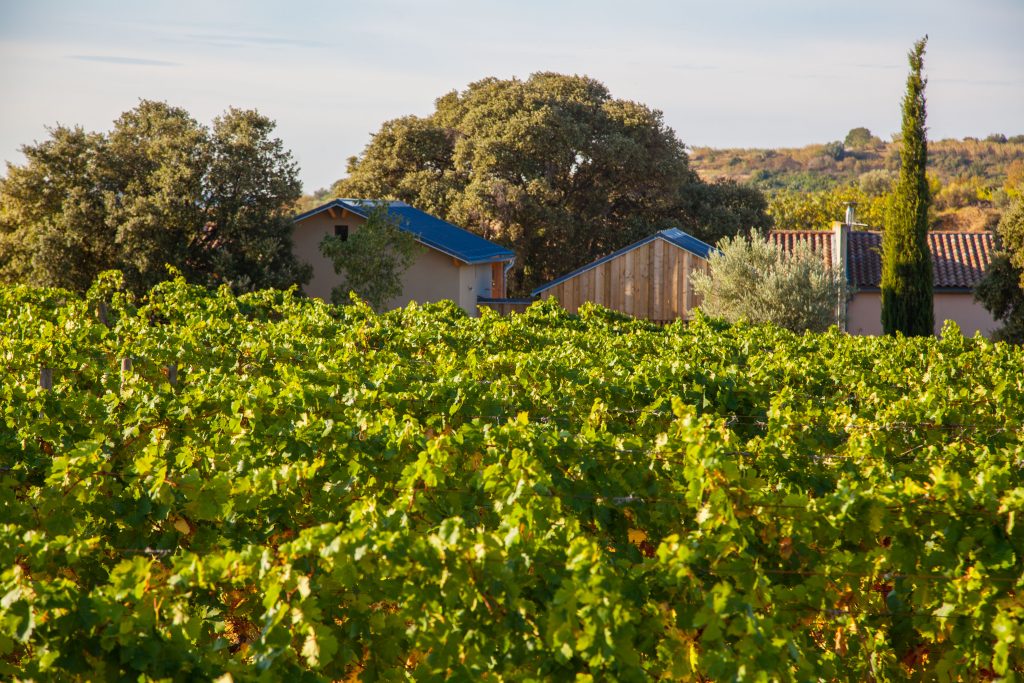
x,y
198,486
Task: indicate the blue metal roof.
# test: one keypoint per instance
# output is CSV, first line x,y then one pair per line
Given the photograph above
x,y
671,235
429,230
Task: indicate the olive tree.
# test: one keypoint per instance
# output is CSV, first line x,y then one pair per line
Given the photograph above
x,y
755,280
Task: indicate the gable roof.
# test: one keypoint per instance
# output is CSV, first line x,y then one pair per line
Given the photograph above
x,y
673,236
429,230
959,259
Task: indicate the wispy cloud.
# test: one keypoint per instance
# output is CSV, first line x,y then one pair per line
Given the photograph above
x,y
114,59
240,40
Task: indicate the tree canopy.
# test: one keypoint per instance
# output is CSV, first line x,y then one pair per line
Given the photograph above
x,y
860,137
372,259
158,189
1002,290
553,167
792,210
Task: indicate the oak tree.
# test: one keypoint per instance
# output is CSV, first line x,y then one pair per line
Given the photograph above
x,y
158,189
553,167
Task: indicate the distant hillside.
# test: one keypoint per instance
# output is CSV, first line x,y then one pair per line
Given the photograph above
x,y
819,167
972,180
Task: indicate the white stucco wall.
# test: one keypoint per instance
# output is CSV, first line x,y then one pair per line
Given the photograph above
x,y
864,313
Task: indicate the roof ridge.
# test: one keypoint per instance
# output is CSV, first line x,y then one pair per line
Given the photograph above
x,y
429,230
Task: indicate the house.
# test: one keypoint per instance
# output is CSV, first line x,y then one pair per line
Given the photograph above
x,y
959,261
648,279
651,278
452,263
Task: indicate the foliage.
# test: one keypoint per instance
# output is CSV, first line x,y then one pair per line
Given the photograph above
x,y
328,494
962,192
818,210
834,150
907,304
53,212
552,166
726,207
371,259
158,189
1002,293
754,280
876,183
312,200
1014,185
860,137
799,168
804,181
1002,290
1011,234
972,181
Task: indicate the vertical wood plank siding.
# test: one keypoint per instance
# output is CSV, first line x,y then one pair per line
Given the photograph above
x,y
652,281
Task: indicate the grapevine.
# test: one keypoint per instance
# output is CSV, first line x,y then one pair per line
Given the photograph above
x,y
275,487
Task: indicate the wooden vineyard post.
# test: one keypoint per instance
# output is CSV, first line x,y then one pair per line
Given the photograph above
x,y
46,378
126,367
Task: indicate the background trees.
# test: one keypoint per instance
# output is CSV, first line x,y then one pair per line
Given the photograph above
x,y
792,210
552,166
907,304
754,280
158,189
1002,290
860,137
971,181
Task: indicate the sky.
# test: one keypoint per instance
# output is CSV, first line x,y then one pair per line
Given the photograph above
x,y
726,73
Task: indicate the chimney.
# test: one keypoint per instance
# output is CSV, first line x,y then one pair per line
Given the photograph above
x,y
840,260
851,213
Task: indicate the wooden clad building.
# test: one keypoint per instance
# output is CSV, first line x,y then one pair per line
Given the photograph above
x,y
648,279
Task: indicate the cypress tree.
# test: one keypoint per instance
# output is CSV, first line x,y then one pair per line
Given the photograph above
x,y
907,304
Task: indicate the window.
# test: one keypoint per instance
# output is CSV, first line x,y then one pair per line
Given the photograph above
x,y
341,231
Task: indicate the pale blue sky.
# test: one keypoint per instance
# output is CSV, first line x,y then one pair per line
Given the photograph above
x,y
726,73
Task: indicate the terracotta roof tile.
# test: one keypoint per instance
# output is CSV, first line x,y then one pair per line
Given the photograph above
x,y
959,259
820,241
864,259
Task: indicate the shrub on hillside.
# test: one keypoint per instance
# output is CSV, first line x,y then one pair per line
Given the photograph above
x,y
876,183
